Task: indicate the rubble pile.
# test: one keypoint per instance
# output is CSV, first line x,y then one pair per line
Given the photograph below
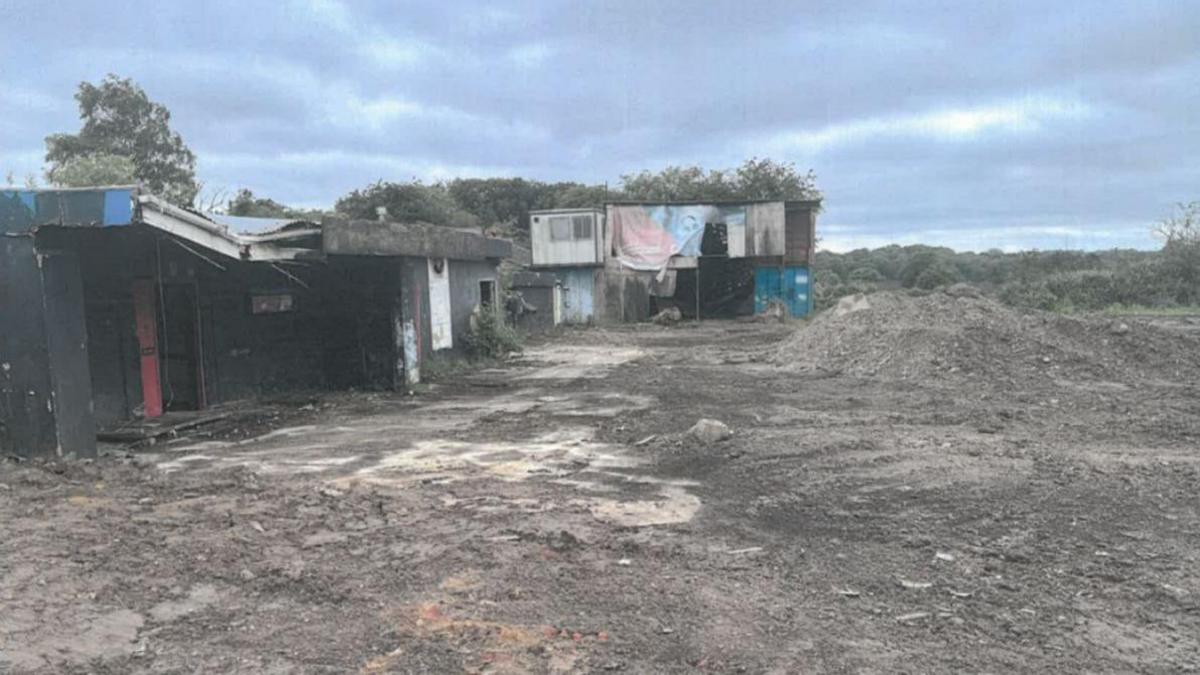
x,y
957,333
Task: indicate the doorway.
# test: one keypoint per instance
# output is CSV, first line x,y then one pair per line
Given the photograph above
x,y
180,364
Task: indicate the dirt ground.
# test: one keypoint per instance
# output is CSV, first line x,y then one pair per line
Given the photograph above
x,y
553,515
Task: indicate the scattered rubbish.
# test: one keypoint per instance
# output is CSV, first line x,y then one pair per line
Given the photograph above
x,y
961,594
752,549
331,492
505,537
624,562
915,616
668,316
915,585
944,557
258,527
1119,328
775,310
646,440
849,593
710,431
667,631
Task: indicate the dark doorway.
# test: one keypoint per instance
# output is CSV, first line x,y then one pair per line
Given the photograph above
x,y
179,348
487,294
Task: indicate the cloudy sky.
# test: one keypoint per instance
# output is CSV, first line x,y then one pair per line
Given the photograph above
x,y
969,124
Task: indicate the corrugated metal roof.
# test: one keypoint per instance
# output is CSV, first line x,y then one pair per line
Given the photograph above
x,y
248,225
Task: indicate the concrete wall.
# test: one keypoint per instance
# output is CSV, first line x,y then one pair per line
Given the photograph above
x,y
465,276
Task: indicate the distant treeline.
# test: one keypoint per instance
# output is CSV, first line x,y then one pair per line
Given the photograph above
x,y
1050,280
502,205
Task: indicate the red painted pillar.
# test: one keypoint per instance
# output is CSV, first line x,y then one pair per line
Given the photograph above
x,y
147,335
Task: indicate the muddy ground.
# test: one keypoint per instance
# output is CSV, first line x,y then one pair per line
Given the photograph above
x,y
553,516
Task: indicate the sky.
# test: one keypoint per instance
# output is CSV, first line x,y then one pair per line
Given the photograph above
x,y
974,125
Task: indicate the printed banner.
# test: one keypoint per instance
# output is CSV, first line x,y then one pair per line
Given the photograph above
x,y
645,237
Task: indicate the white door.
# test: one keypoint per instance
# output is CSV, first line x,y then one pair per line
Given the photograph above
x,y
439,303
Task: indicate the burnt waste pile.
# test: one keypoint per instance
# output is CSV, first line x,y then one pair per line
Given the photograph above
x,y
957,334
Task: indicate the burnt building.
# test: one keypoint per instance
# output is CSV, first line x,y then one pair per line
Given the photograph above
x,y
115,305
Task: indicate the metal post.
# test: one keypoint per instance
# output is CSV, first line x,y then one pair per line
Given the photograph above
x,y
697,289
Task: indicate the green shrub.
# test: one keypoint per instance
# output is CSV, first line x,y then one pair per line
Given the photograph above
x,y
936,275
491,337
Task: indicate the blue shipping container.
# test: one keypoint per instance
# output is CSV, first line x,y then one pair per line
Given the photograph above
x,y
789,285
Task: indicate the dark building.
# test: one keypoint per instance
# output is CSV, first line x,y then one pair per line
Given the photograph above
x,y
115,306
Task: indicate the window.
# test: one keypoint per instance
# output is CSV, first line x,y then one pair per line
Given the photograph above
x,y
582,226
487,293
560,228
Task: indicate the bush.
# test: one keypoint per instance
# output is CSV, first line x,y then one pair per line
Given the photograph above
x,y
490,337
866,274
936,275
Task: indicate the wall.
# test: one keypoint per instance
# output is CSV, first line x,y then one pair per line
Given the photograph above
x,y
800,231
44,389
465,276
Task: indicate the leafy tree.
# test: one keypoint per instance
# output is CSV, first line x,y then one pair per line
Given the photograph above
x,y
917,263
940,273
246,203
754,179
867,274
406,202
119,119
95,169
1180,232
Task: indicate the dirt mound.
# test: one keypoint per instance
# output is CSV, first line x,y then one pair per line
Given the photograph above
x,y
956,333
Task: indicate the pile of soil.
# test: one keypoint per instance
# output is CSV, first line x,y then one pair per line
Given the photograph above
x,y
959,333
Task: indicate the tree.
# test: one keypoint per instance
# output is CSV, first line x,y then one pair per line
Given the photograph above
x,y
1180,233
120,120
754,179
99,168
245,203
406,202
940,273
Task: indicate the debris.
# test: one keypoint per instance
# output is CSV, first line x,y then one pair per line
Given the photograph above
x,y
938,336
961,594
505,537
667,631
944,557
646,440
847,592
774,311
327,491
668,316
752,549
1119,328
915,616
710,431
624,562
915,585
247,575
258,527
